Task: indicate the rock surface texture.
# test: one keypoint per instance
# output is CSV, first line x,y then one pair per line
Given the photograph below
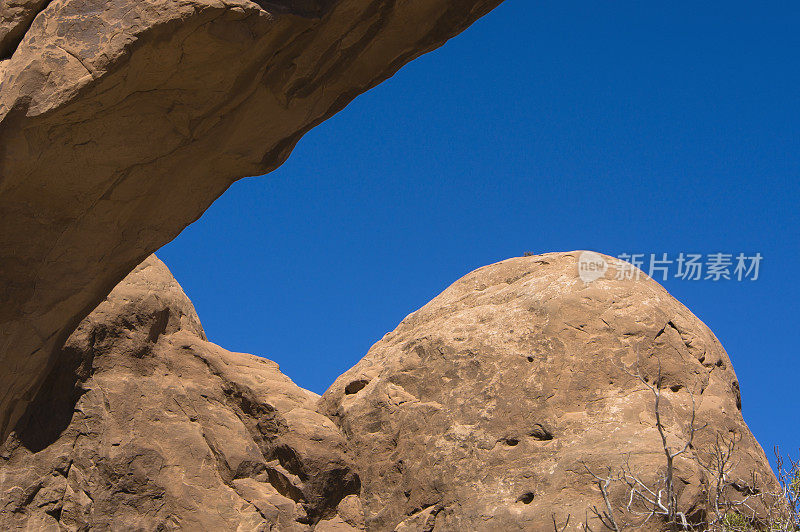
x,y
480,410
144,425
120,123
477,413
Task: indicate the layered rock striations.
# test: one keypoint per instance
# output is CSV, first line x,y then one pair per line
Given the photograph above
x,y
120,123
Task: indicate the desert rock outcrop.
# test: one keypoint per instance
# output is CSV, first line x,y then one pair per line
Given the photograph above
x,y
482,409
120,123
144,425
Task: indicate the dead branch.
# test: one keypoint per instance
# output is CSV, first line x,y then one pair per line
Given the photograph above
x,y
606,516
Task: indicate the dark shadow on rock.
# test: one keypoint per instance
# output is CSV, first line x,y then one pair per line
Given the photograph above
x,y
51,411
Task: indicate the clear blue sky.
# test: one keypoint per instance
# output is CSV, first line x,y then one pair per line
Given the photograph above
x,y
547,126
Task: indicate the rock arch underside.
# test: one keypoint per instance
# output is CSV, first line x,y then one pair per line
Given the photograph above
x,y
120,123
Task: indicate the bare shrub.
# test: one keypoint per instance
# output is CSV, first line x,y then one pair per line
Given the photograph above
x,y
733,504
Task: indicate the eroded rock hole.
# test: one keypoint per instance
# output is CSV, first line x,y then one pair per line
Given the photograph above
x,y
540,432
355,386
526,498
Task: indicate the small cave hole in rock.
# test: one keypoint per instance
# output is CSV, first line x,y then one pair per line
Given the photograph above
x,y
530,358
526,498
355,386
541,433
511,442
676,387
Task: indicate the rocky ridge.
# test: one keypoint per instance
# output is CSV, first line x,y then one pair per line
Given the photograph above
x,y
145,425
121,122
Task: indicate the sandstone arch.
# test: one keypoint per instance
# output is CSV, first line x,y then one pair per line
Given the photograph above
x,y
121,122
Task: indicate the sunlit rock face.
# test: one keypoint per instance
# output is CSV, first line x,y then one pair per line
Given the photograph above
x,y
120,123
484,408
145,425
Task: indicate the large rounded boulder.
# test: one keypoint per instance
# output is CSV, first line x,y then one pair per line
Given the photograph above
x,y
492,407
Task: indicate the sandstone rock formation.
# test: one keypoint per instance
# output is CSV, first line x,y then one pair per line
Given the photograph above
x,y
478,412
144,425
120,123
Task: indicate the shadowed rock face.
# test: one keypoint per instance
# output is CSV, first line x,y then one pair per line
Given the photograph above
x,y
144,425
480,410
120,123
16,17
